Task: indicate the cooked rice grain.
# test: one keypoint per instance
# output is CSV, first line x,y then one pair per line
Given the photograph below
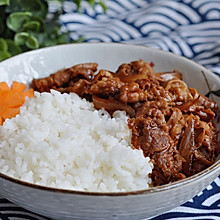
x,y
60,140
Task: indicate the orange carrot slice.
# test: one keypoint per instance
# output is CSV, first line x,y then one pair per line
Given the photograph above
x,y
12,98
4,95
4,86
18,87
29,93
10,113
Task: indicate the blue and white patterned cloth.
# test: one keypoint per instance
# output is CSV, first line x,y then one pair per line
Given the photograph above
x,y
187,27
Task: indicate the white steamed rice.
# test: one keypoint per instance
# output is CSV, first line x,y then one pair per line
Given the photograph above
x,y
60,140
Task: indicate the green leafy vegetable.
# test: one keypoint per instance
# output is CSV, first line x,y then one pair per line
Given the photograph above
x,y
4,2
4,49
24,38
31,26
13,49
3,45
17,19
32,42
25,25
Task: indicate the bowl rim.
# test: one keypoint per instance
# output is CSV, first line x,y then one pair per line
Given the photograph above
x,y
151,190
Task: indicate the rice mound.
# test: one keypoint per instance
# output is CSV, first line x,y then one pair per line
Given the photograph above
x,y
62,141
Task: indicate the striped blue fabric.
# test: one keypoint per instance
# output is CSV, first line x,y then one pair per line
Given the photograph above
x,y
187,27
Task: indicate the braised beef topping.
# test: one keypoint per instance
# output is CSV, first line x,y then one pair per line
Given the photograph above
x,y
171,123
112,105
134,71
65,77
80,87
150,132
164,78
105,84
131,93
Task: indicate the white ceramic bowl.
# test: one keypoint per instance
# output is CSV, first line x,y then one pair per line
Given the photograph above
x,y
66,204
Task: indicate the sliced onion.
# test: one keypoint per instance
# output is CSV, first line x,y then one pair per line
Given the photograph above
x,y
132,78
187,146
